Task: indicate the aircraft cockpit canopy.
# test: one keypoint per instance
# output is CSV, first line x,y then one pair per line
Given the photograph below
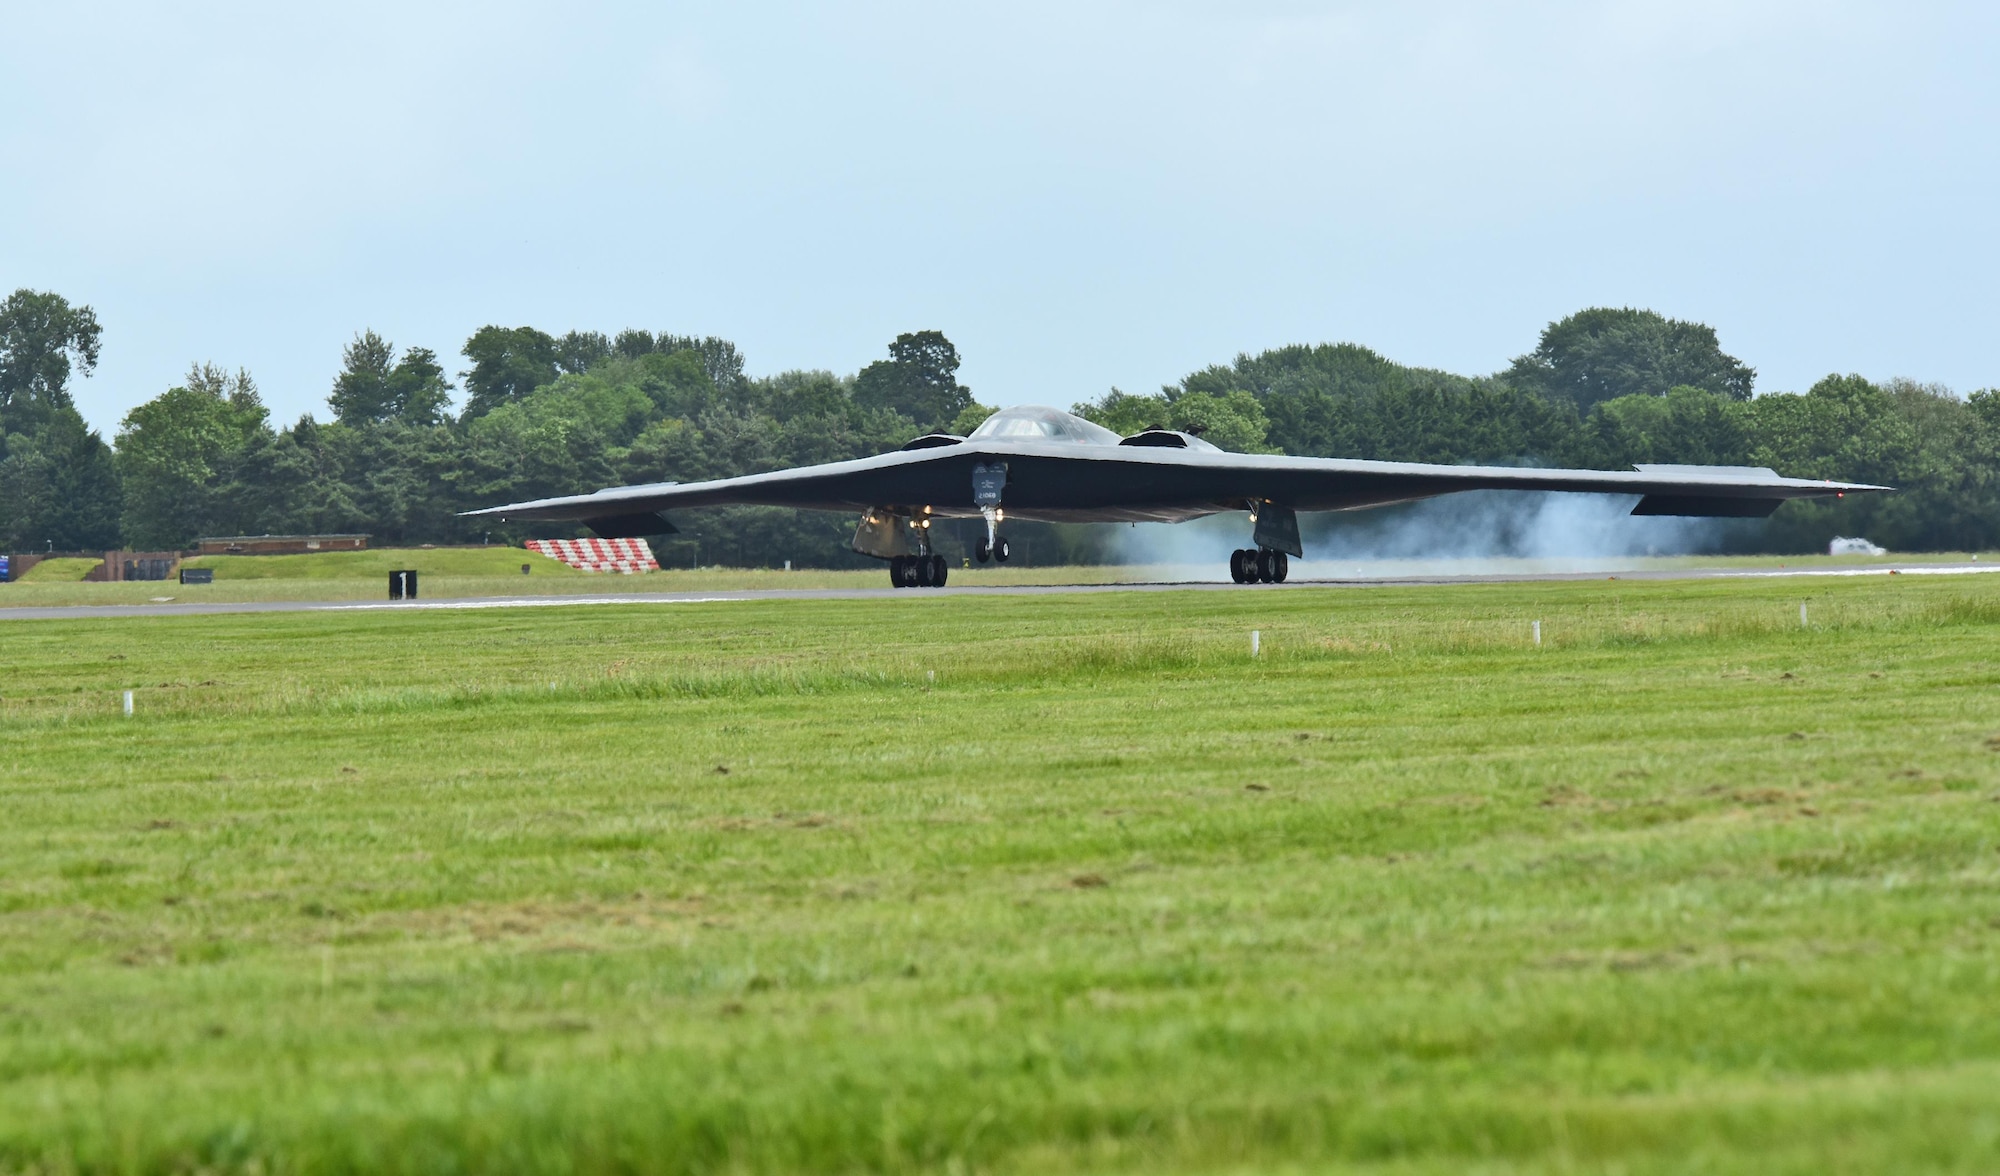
x,y
1034,422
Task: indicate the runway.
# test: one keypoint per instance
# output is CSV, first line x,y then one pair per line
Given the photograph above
x,y
201,608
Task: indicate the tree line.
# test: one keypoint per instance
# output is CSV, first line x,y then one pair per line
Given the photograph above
x,y
541,414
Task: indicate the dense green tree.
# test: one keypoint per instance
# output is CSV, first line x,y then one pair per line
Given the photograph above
x,y
1604,353
790,395
42,340
1341,371
633,343
1341,400
399,482
291,482
677,382
559,440
419,393
918,380
579,351
59,488
1233,420
58,483
1124,413
374,385
506,365
719,358
361,390
1689,426
1850,429
969,418
176,454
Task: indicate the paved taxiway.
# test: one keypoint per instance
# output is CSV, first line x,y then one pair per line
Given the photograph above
x,y
199,608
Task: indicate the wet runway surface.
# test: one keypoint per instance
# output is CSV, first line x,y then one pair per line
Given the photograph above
x,y
200,608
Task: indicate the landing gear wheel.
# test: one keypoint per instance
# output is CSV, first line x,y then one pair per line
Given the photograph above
x,y
922,570
1267,566
1236,570
1000,549
1282,567
940,571
981,552
899,571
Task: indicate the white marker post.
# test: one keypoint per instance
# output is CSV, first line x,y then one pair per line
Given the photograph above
x,y
1802,614
128,704
1538,632
1255,640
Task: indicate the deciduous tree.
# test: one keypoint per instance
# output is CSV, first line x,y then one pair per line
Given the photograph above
x,y
1603,353
176,453
918,380
374,385
43,339
506,365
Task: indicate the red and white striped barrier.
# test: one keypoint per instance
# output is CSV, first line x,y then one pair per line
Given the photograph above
x,y
627,556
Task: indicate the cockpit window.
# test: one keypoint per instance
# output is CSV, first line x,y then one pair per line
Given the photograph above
x,y
1036,423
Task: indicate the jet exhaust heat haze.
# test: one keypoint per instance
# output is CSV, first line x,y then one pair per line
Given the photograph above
x,y
1478,532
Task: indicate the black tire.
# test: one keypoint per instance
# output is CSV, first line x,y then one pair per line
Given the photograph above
x,y
896,571
982,552
922,572
1236,566
940,571
1000,549
1266,566
1283,568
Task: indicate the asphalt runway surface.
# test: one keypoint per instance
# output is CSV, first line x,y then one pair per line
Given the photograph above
x,y
199,608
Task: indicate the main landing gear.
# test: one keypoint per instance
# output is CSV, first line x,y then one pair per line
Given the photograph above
x,y
1259,565
917,571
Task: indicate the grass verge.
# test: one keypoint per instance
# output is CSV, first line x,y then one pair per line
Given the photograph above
x,y
1013,884
65,569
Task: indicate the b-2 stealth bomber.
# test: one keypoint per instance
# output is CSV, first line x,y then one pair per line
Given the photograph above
x,y
1046,465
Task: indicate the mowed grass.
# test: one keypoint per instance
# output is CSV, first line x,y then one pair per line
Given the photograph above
x,y
65,569
1013,884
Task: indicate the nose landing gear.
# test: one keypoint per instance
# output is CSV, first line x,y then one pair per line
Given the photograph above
x,y
1259,565
994,546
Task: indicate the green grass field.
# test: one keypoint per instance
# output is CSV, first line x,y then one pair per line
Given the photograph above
x,y
1020,884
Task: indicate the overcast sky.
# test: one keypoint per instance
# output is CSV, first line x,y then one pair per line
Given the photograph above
x,y
1079,195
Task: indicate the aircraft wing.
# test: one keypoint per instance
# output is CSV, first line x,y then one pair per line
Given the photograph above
x,y
1068,482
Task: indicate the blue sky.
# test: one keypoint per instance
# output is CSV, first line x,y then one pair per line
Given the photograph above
x,y
1079,195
